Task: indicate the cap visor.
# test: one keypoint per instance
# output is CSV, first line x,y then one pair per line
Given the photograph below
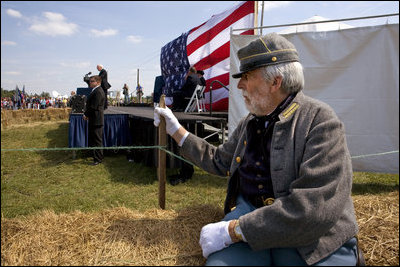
x,y
237,75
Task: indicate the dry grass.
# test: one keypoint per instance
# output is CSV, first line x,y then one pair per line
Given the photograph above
x,y
378,220
121,236
116,236
25,116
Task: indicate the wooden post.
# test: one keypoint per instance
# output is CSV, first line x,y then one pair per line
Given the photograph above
x,y
162,166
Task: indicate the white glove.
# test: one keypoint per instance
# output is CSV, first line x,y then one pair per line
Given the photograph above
x,y
172,123
214,237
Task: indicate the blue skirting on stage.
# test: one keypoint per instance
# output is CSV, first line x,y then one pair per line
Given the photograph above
x,y
116,131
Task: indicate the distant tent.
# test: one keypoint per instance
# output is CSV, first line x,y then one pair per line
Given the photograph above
x,y
317,27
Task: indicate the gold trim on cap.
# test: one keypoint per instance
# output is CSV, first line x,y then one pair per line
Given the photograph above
x,y
265,44
265,53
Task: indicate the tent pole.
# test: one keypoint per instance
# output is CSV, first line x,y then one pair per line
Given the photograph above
x,y
262,17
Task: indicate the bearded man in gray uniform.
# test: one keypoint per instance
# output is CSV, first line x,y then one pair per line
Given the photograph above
x,y
290,175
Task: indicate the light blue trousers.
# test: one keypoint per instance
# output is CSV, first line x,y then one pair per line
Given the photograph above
x,y
240,254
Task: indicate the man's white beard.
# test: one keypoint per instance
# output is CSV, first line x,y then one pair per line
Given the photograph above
x,y
257,106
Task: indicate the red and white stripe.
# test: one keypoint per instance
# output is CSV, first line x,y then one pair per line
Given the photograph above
x,y
208,47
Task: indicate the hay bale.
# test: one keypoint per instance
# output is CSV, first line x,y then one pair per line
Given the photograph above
x,y
24,116
116,236
121,236
378,220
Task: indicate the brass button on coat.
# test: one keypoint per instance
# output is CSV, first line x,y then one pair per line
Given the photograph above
x,y
269,201
238,159
260,186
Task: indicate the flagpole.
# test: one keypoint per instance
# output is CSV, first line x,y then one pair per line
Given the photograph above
x,y
255,17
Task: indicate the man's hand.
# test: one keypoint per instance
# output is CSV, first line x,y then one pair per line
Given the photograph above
x,y
172,123
214,237
85,118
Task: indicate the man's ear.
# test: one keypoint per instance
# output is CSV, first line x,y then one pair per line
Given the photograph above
x,y
276,84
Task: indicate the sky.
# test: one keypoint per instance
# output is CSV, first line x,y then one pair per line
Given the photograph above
x,y
49,46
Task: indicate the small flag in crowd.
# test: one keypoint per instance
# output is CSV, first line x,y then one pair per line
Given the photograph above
x,y
17,93
206,47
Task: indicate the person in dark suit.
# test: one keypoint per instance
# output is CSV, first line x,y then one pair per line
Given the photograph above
x,y
159,85
200,74
104,82
179,102
94,112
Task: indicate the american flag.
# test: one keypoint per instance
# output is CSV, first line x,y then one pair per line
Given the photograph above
x,y
206,47
174,64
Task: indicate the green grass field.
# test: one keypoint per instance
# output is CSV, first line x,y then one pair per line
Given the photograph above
x,y
33,181
54,180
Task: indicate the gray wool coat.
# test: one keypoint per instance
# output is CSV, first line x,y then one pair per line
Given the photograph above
x,y
312,179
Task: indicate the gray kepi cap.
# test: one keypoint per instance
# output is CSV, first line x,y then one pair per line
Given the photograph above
x,y
267,50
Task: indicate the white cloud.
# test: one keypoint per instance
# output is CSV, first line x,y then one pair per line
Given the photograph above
x,y
8,43
268,5
78,65
14,13
105,33
12,72
54,24
134,39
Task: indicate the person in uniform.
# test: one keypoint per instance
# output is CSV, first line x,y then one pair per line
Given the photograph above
x,y
289,168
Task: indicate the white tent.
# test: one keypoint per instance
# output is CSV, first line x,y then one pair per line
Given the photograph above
x,y
318,27
356,72
115,93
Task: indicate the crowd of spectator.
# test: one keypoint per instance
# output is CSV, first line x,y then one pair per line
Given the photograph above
x,y
33,103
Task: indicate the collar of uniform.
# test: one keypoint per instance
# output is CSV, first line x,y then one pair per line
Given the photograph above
x,y
291,107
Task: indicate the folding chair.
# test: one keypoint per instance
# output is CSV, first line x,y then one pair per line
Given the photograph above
x,y
197,100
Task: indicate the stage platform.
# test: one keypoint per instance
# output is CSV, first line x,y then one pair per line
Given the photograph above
x,y
147,113
133,126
